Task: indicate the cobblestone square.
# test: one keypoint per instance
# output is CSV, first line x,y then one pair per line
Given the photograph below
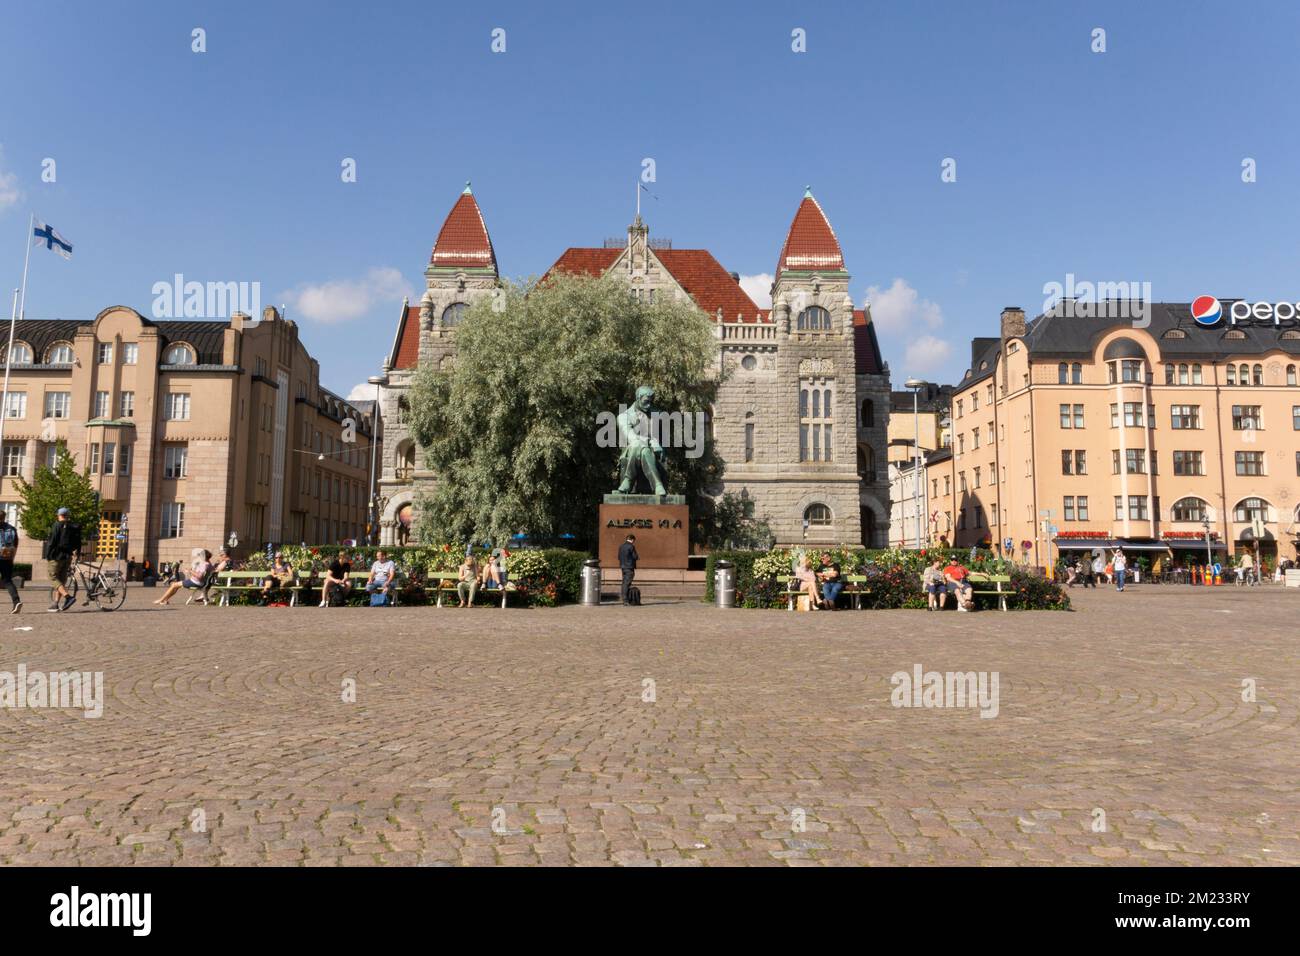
x,y
672,734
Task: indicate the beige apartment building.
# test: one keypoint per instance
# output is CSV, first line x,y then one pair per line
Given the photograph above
x,y
191,431
1117,432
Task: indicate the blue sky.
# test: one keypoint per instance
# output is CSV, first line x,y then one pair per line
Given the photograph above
x,y
225,166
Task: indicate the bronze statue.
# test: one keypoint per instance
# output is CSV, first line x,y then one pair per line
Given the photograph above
x,y
641,454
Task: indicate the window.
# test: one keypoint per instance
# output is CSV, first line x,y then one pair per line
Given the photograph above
x,y
1232,375
1076,374
20,354
1187,509
868,413
1135,462
1063,374
816,402
178,354
1259,374
1248,509
1131,370
57,404
814,319
16,405
1067,508
1245,417
127,405
1183,374
1188,463
1133,414
52,450
102,400
975,438
130,353
1137,507
1196,373
124,460
1080,462
173,520
104,353
1119,507
817,516
974,401
1295,414
1185,416
1081,507
1250,462
947,484
453,314
1169,374
977,476
1078,416
176,407
60,353
15,456
1290,375
94,458
1067,462
175,461
961,407
1065,416
749,436
110,457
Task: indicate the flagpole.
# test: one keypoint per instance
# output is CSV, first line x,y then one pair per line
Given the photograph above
x,y
18,310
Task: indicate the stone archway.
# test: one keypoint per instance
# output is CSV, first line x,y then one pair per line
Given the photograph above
x,y
875,521
397,522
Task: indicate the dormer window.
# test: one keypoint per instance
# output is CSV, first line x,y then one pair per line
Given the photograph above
x,y
60,353
178,354
20,354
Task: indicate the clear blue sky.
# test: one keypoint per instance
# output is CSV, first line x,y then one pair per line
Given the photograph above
x,y
225,166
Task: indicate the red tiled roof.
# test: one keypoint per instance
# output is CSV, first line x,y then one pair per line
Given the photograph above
x,y
464,242
695,270
406,351
810,245
866,350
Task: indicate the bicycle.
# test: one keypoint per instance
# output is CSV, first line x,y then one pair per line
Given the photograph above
x,y
106,588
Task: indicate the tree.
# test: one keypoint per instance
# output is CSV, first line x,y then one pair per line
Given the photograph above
x,y
730,523
511,428
53,488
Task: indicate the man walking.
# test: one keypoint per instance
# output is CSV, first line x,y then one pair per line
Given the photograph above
x,y
9,548
62,547
627,558
1120,564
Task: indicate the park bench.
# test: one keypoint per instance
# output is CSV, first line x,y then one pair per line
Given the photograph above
x,y
855,586
235,582
989,584
356,584
447,581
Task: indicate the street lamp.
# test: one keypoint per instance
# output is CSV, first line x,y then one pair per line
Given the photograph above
x,y
377,381
1205,523
916,384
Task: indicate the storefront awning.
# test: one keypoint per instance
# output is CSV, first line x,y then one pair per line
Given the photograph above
x,y
1083,544
1147,545
1192,544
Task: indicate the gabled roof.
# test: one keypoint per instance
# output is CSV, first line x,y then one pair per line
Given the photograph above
x,y
1058,333
866,349
810,245
464,242
406,347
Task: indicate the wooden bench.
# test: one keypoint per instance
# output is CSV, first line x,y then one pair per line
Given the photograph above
x,y
447,581
356,584
991,585
229,582
854,588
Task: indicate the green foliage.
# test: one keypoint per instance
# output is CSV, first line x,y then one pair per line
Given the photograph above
x,y
730,523
566,568
511,428
60,487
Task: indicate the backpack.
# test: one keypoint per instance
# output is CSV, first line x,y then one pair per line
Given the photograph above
x,y
634,596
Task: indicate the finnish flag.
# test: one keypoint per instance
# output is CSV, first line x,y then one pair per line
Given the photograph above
x,y
48,236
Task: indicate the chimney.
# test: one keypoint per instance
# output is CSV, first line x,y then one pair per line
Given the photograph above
x,y
735,277
1013,322
237,320
269,314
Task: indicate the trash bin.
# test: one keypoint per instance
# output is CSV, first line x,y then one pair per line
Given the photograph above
x,y
724,583
591,582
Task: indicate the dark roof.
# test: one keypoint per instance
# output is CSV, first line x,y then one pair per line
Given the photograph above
x,y
936,457
933,397
1176,334
206,337
40,334
983,350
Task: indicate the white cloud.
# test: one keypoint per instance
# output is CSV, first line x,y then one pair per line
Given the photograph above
x,y
362,392
758,288
342,300
925,354
9,192
900,308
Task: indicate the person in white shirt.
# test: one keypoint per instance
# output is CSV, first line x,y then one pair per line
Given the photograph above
x,y
1120,564
382,573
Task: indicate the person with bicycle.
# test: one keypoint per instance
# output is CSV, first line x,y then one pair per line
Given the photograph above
x,y
62,547
8,549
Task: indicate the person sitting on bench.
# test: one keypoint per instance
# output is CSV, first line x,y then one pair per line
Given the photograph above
x,y
336,579
381,577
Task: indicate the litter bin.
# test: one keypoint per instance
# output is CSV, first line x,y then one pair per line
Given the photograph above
x,y
591,582
724,583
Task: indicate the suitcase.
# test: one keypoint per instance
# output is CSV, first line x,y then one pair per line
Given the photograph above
x,y
634,596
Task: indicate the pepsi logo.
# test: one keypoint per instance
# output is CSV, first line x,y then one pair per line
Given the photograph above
x,y
1206,310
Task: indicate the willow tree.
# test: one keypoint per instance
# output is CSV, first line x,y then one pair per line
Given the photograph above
x,y
511,428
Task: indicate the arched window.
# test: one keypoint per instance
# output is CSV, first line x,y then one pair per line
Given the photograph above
x,y
20,354
1232,374
1063,374
814,319
1248,509
817,515
866,463
1196,373
60,353
1290,375
403,409
868,413
404,465
1076,373
749,436
452,315
1259,375
1169,374
1243,374
1187,509
178,354
1183,373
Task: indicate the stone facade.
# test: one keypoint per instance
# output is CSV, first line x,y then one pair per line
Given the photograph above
x,y
802,409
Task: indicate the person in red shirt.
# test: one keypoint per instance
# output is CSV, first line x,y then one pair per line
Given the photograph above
x,y
955,574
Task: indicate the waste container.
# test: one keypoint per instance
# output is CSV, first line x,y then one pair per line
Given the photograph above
x,y
724,583
591,582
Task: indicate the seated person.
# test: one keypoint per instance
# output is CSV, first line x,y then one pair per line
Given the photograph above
x,y
954,576
279,576
807,582
382,573
936,595
494,571
195,580
467,586
336,579
832,584
225,562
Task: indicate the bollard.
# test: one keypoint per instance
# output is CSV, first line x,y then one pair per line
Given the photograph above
x,y
590,582
724,583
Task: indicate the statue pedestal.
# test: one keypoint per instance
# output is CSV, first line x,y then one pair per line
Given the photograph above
x,y
661,524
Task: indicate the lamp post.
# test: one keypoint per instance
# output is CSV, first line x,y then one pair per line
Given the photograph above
x,y
1205,523
916,384
377,381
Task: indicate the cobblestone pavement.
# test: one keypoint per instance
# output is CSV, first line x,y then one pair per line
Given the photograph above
x,y
523,737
